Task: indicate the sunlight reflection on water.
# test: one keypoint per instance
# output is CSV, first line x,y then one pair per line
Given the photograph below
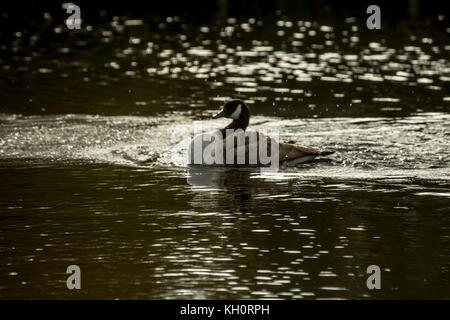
x,y
93,169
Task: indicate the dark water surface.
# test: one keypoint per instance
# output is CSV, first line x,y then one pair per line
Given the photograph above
x,y
93,125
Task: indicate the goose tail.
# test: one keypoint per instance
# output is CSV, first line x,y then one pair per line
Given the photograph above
x,y
326,152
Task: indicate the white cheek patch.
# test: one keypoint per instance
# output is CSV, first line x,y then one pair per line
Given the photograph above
x,y
237,112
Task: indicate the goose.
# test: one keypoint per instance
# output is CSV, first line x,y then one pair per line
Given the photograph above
x,y
289,153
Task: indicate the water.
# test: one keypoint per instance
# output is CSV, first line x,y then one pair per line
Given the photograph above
x,y
93,126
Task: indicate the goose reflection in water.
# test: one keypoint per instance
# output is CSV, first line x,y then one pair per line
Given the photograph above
x,y
230,187
236,181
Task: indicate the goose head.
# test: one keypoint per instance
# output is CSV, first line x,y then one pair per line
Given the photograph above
x,y
237,110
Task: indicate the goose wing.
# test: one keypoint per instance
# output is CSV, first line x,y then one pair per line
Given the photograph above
x,y
290,151
287,151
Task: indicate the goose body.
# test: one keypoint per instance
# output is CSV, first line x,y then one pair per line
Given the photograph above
x,y
234,145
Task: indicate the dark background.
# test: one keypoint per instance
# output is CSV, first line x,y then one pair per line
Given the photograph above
x,y
31,10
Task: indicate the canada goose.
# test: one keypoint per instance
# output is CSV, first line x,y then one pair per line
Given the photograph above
x,y
289,153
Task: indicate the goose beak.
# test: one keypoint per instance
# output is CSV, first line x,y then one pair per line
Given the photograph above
x,y
219,115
